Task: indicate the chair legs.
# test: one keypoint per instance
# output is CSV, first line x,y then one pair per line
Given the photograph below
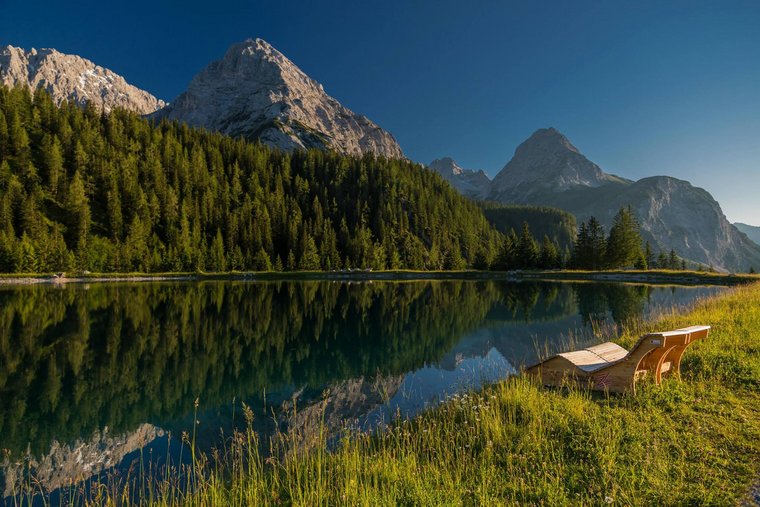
x,y
674,358
654,361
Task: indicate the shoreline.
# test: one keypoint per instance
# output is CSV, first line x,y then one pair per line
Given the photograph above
x,y
646,277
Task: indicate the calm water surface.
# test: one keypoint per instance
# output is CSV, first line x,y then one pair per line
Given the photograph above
x,y
92,377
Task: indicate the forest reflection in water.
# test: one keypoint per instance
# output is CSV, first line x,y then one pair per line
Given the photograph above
x,y
120,365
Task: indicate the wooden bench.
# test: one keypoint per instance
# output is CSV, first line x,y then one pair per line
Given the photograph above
x,y
610,367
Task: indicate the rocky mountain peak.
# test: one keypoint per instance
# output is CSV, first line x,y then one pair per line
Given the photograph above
x,y
473,184
546,140
259,60
72,78
446,165
546,161
256,92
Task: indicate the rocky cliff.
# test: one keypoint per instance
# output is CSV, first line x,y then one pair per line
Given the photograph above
x,y
72,78
473,184
257,93
548,170
752,232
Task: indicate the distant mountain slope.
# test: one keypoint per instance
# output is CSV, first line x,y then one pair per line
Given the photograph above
x,y
547,170
257,93
472,184
73,78
752,231
557,224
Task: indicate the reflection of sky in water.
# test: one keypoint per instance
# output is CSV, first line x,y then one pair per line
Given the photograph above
x,y
427,386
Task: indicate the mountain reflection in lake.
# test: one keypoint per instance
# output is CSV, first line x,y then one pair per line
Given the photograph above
x,y
89,375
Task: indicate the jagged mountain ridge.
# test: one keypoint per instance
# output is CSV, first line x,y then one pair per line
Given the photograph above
x,y
752,231
72,78
547,170
473,184
257,93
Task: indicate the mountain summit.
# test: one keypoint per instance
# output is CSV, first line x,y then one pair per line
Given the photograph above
x,y
72,78
546,162
256,92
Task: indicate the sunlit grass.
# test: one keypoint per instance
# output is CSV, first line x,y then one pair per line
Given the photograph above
x,y
693,441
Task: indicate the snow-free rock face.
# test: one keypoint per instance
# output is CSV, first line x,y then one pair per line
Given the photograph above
x,y
72,78
546,162
752,232
472,184
547,170
255,92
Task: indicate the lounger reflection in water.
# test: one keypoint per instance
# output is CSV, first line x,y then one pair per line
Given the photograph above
x,y
610,367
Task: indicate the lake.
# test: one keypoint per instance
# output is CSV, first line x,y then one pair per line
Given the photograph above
x,y
92,377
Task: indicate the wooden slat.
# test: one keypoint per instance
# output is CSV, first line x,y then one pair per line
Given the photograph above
x,y
585,360
608,351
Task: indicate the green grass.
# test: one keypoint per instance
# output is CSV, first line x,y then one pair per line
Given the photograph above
x,y
693,441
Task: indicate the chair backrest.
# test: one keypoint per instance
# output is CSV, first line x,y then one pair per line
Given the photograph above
x,y
696,332
675,338
651,341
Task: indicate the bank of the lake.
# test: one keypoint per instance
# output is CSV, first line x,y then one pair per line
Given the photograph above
x,y
633,276
694,441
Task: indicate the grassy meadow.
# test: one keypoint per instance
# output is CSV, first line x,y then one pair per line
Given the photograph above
x,y
694,441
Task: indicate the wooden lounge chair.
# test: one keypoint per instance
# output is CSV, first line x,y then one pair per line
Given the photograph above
x,y
610,367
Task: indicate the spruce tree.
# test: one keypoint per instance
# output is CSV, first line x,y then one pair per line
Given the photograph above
x,y
623,248
527,249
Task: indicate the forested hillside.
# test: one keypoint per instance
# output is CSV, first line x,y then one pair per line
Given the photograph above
x,y
112,192
557,224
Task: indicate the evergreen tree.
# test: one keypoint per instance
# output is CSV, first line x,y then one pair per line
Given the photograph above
x,y
623,248
549,258
310,255
662,261
527,249
673,262
590,246
262,263
78,210
649,257
217,261
598,244
581,256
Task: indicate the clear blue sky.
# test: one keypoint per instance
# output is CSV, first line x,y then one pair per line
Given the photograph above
x,y
641,87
